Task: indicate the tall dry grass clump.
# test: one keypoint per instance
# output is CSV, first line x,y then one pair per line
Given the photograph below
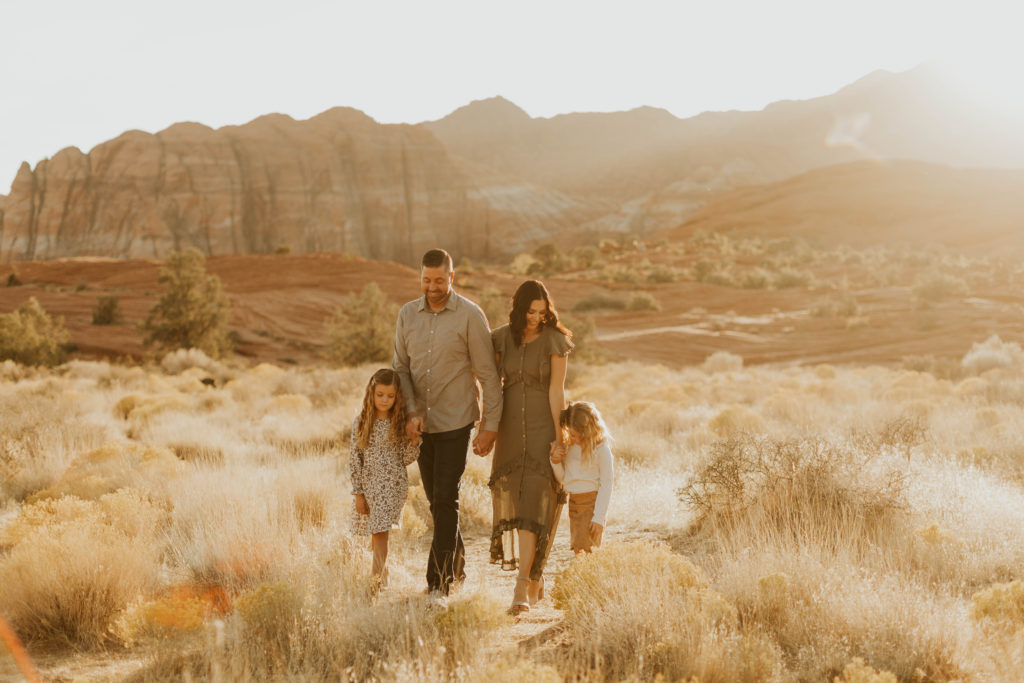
x,y
806,491
74,564
640,610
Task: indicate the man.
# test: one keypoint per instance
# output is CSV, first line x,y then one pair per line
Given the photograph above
x,y
442,348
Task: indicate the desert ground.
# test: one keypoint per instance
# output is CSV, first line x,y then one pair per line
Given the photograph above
x,y
819,470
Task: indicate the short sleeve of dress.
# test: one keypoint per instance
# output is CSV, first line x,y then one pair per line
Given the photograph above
x,y
498,338
558,343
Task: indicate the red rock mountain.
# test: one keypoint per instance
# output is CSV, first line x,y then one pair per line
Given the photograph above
x,y
338,182
486,181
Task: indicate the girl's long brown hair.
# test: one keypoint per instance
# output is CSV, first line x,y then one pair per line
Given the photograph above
x,y
528,292
364,428
582,417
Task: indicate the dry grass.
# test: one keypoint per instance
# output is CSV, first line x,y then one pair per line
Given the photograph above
x,y
845,523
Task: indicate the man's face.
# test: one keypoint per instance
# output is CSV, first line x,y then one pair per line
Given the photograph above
x,y
436,284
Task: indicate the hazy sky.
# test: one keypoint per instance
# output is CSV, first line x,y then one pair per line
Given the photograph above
x,y
78,73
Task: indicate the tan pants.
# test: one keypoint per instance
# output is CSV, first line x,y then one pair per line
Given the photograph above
x,y
581,513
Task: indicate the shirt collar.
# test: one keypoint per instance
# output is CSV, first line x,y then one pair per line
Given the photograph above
x,y
450,305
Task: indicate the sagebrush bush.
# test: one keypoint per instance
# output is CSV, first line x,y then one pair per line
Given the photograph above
x,y
639,610
75,564
599,301
29,336
114,466
643,301
723,361
938,286
362,329
990,354
808,490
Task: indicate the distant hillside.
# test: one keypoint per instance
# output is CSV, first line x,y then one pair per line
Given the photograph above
x,y
487,181
863,203
660,169
338,182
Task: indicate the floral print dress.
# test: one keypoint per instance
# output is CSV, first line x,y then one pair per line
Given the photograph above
x,y
378,472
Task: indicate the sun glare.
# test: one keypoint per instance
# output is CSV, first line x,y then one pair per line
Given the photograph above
x,y
993,83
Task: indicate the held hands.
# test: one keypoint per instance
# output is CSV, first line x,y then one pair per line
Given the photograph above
x,y
361,506
414,428
557,453
484,442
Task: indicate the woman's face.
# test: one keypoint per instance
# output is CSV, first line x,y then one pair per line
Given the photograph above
x,y
536,314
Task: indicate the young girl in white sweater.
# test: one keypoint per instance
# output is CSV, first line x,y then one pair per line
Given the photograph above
x,y
586,470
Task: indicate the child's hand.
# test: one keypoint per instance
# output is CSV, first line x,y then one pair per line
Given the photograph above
x,y
596,531
557,452
361,506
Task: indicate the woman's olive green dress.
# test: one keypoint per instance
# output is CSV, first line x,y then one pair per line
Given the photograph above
x,y
524,490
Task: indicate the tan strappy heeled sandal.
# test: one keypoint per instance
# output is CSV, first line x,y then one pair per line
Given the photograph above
x,y
520,604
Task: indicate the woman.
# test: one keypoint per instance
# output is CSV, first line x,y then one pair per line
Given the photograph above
x,y
532,353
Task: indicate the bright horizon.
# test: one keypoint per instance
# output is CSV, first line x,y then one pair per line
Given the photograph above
x,y
78,75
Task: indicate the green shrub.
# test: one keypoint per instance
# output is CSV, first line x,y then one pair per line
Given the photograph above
x,y
193,310
643,301
598,301
362,329
107,311
31,337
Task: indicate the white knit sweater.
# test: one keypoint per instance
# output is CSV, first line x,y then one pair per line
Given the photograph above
x,y
597,474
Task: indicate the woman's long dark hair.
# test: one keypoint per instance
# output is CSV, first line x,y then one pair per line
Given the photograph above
x,y
528,292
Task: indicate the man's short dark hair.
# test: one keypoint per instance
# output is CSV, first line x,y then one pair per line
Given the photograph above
x,y
435,258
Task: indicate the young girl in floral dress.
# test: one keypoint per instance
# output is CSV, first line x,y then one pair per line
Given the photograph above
x,y
379,455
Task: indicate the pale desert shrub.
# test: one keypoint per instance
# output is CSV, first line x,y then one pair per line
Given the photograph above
x,y
637,609
859,672
735,421
937,286
75,564
821,609
807,490
990,354
178,361
113,466
275,635
722,361
1002,603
